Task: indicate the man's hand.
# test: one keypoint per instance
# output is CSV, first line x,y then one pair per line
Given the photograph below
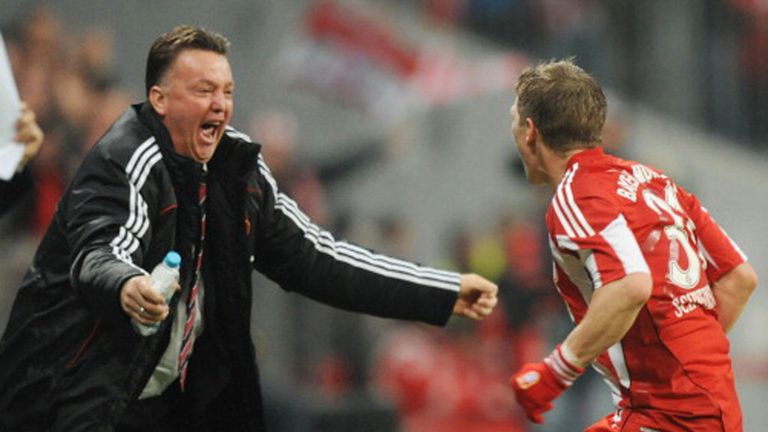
x,y
141,302
28,133
477,297
536,385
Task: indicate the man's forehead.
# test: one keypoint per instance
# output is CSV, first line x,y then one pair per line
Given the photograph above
x,y
203,65
197,57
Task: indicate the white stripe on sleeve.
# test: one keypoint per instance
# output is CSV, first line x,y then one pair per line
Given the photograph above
x,y
137,170
355,255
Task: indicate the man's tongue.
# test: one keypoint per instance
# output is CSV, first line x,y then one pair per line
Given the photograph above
x,y
208,132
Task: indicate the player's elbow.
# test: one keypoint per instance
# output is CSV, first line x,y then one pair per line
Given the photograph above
x,y
638,288
746,277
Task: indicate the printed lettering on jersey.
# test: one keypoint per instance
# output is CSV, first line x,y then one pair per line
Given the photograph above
x,y
628,184
688,302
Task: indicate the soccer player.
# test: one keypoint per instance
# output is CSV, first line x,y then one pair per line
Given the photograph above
x,y
651,280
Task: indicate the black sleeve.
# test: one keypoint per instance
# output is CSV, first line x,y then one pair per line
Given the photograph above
x,y
12,190
301,257
108,228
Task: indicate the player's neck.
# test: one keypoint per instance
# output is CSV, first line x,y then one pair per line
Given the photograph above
x,y
556,163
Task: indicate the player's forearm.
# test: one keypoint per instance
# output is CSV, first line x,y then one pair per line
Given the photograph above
x,y
732,291
611,313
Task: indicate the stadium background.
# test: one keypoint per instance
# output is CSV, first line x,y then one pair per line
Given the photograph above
x,y
390,120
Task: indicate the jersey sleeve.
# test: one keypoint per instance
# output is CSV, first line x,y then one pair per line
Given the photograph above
x,y
586,220
722,253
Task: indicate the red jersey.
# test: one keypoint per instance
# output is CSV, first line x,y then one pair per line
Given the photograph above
x,y
610,217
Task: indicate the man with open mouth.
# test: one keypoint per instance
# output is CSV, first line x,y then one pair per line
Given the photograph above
x,y
170,174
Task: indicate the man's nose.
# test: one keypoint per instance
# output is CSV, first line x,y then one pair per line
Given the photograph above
x,y
219,102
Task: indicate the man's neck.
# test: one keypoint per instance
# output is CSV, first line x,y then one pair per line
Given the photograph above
x,y
556,163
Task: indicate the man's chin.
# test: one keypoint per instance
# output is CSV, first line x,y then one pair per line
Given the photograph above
x,y
204,156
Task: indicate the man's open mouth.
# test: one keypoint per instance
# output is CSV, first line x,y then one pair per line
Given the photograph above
x,y
210,129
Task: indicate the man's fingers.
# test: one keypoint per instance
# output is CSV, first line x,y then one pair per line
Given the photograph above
x,y
138,313
488,301
146,312
482,311
27,129
470,312
142,303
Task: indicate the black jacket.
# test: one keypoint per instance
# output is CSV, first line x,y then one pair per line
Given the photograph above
x,y
69,359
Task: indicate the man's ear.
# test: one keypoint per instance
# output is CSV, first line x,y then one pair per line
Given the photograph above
x,y
157,99
531,134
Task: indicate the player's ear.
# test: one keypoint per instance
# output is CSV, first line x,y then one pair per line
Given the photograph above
x,y
531,133
158,99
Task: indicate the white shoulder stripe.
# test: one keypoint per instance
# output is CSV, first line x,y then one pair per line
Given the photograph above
x,y
138,153
561,218
567,211
355,255
618,235
574,207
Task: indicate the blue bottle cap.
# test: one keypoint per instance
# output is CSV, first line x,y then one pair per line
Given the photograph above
x,y
172,259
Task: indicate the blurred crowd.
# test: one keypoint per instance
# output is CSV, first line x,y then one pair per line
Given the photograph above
x,y
610,39
67,78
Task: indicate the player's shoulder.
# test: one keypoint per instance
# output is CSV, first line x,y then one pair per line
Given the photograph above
x,y
589,179
612,178
126,143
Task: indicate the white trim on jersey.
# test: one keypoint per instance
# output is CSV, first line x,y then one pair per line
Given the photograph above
x,y
588,258
139,166
703,250
610,381
618,235
563,221
574,269
565,242
616,353
355,255
574,207
568,212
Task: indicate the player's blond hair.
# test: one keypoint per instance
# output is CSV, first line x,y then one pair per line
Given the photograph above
x,y
565,103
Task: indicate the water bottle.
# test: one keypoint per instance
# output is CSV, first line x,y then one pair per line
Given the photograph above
x,y
163,279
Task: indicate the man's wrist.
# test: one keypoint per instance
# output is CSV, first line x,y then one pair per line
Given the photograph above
x,y
561,363
570,357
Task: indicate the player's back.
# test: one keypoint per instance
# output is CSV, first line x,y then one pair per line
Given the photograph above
x,y
611,217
